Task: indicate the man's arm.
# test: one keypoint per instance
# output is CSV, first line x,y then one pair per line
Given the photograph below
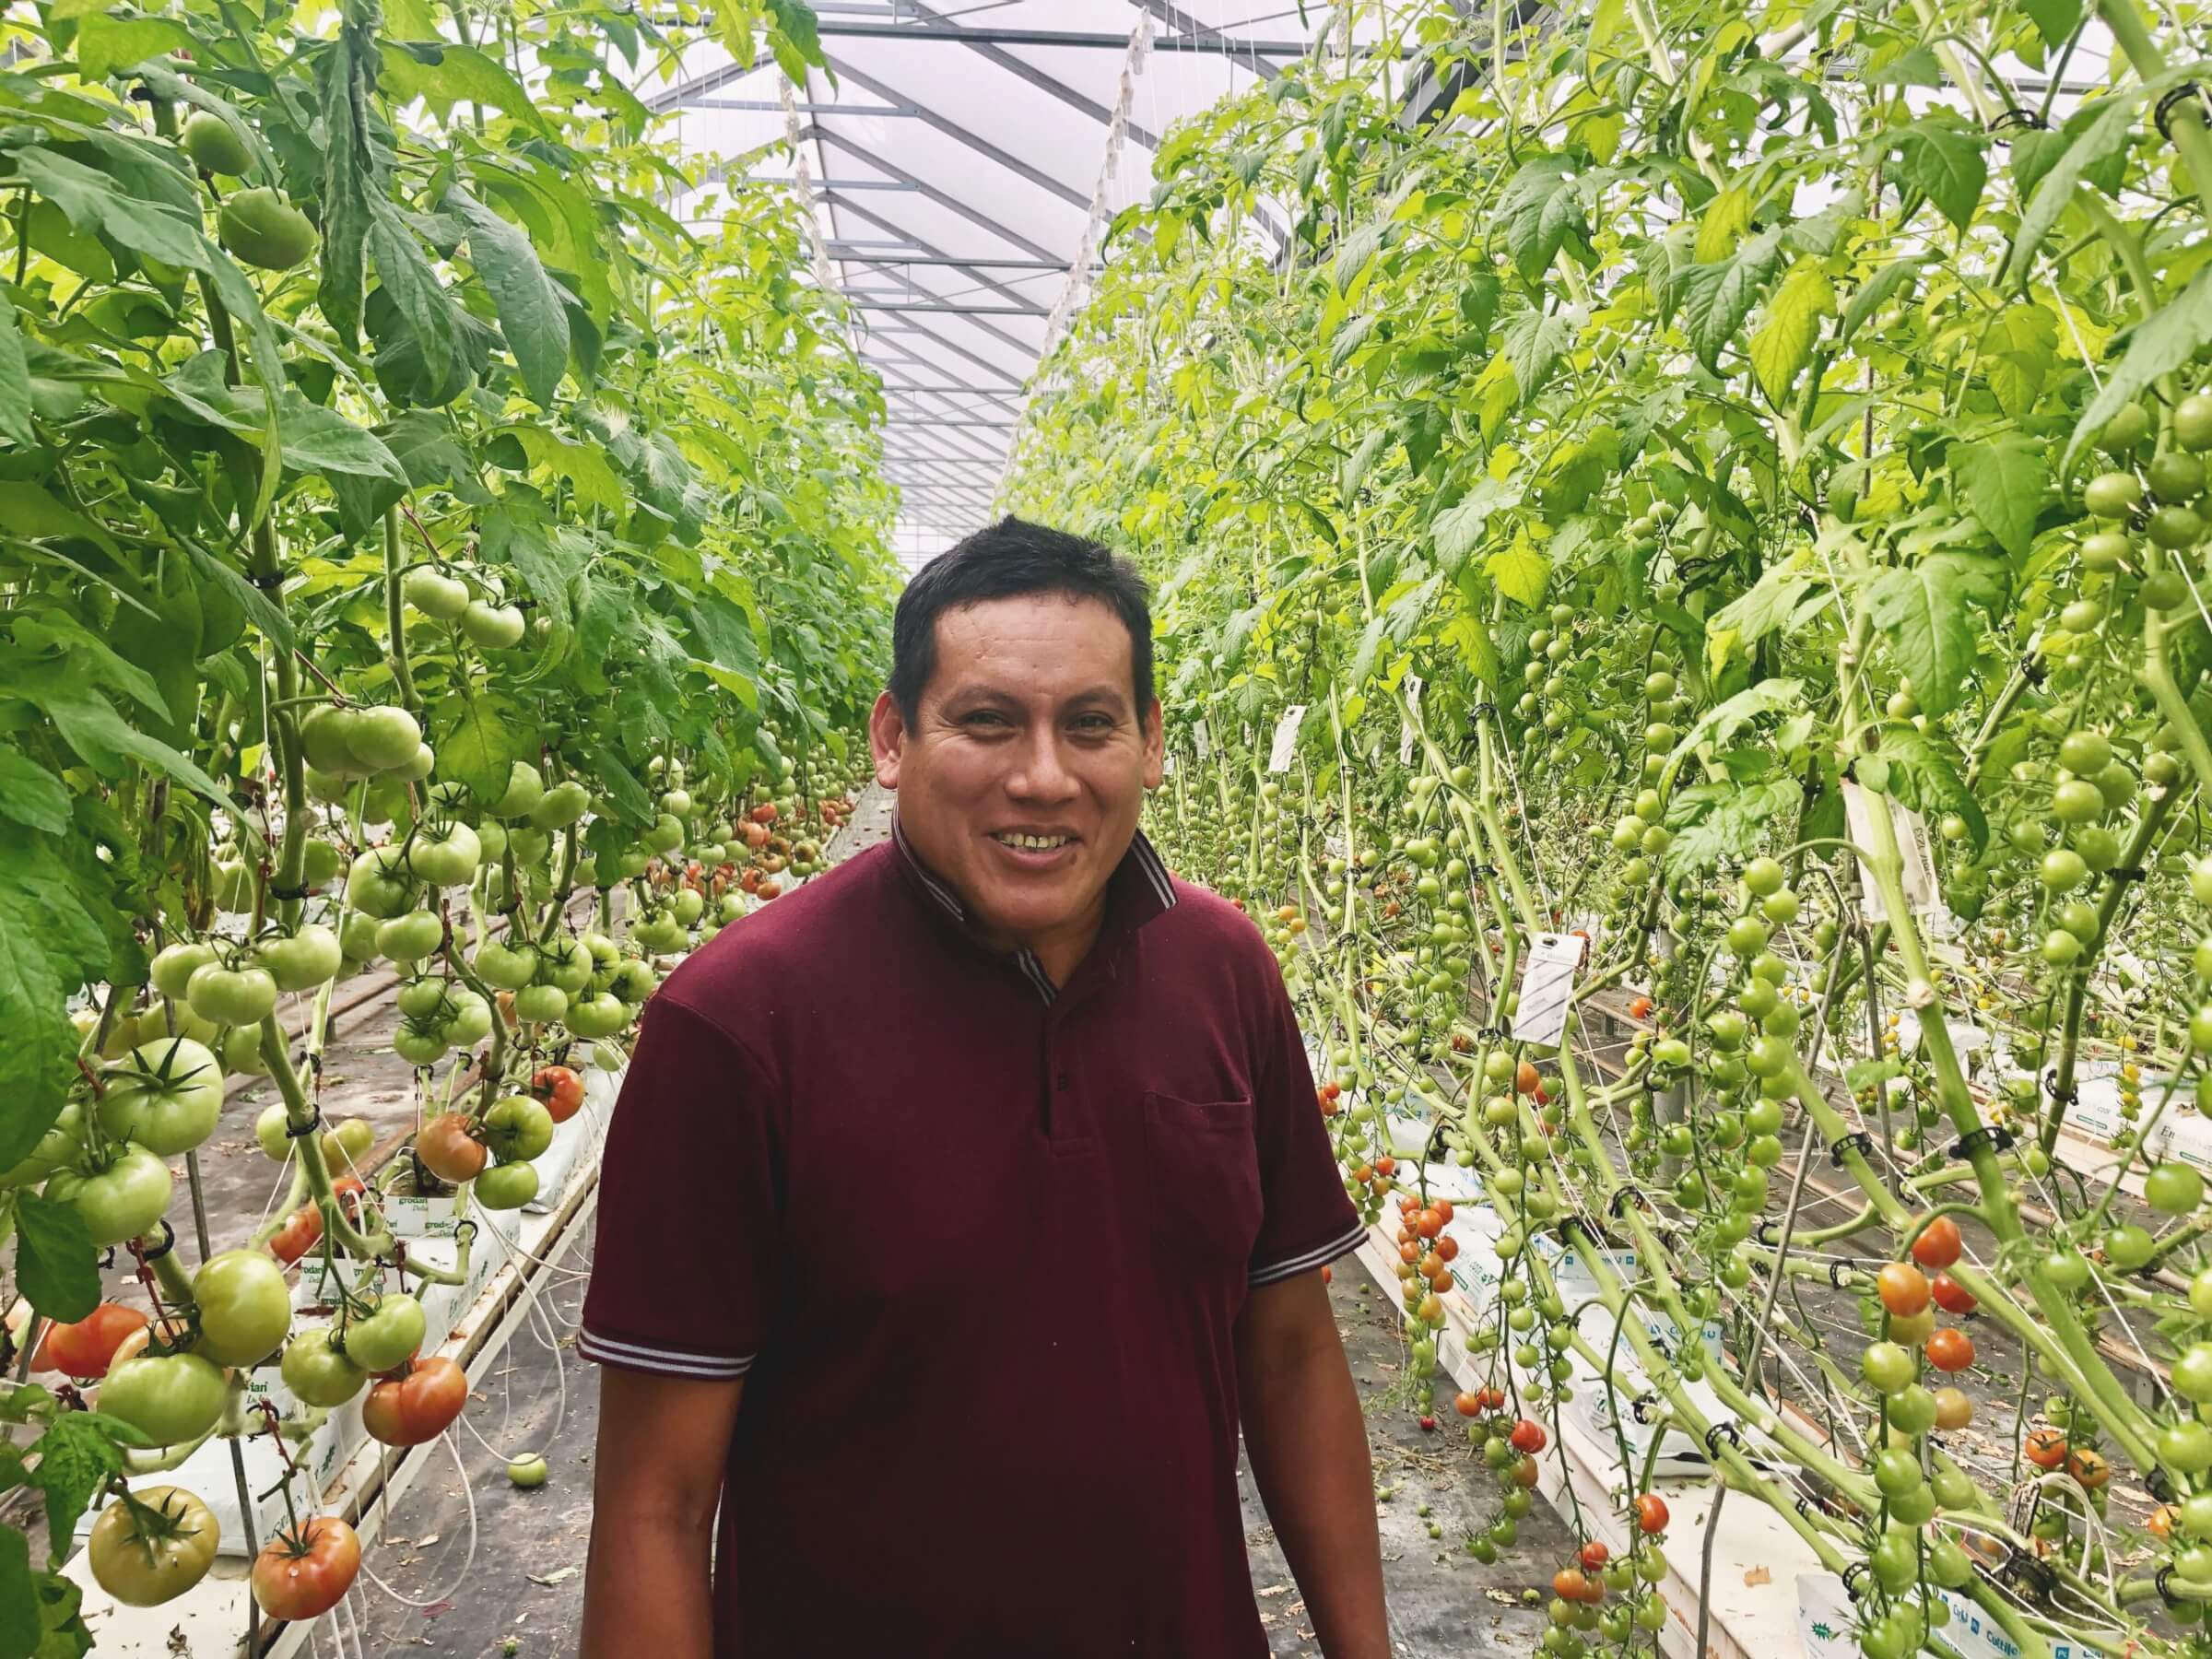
x,y
1307,1440
656,1479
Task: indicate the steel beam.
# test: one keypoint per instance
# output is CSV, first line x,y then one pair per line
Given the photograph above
x,y
846,251
1220,46
974,272
931,334
863,303
952,129
1028,72
890,111
1176,18
943,199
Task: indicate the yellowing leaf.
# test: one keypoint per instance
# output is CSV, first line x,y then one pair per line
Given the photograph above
x,y
1785,339
1725,220
1520,573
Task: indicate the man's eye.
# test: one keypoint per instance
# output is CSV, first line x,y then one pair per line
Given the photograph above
x,y
984,717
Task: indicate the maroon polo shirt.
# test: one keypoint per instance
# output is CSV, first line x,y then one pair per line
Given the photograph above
x,y
977,1244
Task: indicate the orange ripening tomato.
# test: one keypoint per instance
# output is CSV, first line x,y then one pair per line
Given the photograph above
x,y
299,1234
559,1091
2088,1466
1525,1078
2161,1521
406,1411
85,1348
1524,1473
1594,1555
303,1575
1951,1296
1651,1513
1447,1248
2046,1448
1953,1409
1430,1224
1569,1585
1904,1288
1640,1008
1467,1404
1938,1244
1951,1349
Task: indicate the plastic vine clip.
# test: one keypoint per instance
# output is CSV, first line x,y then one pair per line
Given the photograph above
x,y
1858,1141
2163,114
1993,1137
309,1127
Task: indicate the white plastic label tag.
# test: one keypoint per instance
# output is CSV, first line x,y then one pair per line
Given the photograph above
x,y
1286,738
1413,701
1205,739
1546,982
1915,850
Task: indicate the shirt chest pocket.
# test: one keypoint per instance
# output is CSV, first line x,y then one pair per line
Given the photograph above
x,y
1202,1177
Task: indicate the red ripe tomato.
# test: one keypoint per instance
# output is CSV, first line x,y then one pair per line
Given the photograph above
x,y
1443,1206
1640,1008
1938,1244
85,1348
1651,1513
1430,1225
420,1405
1951,1296
1386,1165
1904,1287
1447,1248
1528,1435
2046,1448
1491,1398
305,1573
1467,1404
559,1091
1594,1555
1951,1349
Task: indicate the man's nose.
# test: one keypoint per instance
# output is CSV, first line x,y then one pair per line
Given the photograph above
x,y
1043,773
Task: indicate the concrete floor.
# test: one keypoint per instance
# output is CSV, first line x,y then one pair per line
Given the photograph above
x,y
521,1593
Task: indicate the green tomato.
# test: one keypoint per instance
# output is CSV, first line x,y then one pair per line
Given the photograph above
x,y
382,1341
378,885
517,1129
318,1374
231,996
421,1044
1955,1490
2192,1372
1913,1507
2112,495
599,1015
540,1005
2186,1446
2193,422
62,1143
175,964
308,959
507,1186
117,1202
2129,1247
166,1096
1912,1408
141,1558
384,739
169,1399
564,803
2173,1189
492,626
435,594
411,937
1888,1367
245,1306
2067,1268
505,969
471,1021
528,1472
444,858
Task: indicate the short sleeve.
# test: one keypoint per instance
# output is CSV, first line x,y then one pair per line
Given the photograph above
x,y
688,1218
1308,1219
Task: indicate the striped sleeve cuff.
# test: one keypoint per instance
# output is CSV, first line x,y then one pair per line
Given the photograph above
x,y
666,1362
1307,1259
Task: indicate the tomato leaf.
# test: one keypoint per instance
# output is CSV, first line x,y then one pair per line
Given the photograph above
x,y
1875,292
1923,609
2156,347
479,736
2054,20
49,947
1784,341
1520,573
1714,821
30,795
1539,210
442,74
1945,159
15,380
1926,773
1533,342
1717,297
407,277
2098,132
54,1263
1458,530
105,44
19,1621
350,195
2002,481
533,316
76,1454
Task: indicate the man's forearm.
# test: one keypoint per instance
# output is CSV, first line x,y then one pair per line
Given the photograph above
x,y
1307,1440
648,1589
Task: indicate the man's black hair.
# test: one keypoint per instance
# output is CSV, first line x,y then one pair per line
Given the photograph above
x,y
1010,559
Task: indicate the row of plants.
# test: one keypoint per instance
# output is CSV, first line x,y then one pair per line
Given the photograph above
x,y
420,553
1721,496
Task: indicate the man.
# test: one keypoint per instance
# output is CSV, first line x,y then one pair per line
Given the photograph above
x,y
960,1206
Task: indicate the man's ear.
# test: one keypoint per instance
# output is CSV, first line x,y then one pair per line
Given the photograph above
x,y
887,738
1156,743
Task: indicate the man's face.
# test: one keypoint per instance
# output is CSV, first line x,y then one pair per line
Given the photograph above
x,y
1021,778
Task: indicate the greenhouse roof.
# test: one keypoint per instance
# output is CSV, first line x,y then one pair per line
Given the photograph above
x,y
963,159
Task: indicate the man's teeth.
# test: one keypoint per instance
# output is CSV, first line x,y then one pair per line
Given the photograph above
x,y
1031,843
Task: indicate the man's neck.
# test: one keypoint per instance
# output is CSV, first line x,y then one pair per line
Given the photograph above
x,y
1061,950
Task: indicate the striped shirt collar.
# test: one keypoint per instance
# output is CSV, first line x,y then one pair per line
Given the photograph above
x,y
1139,889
